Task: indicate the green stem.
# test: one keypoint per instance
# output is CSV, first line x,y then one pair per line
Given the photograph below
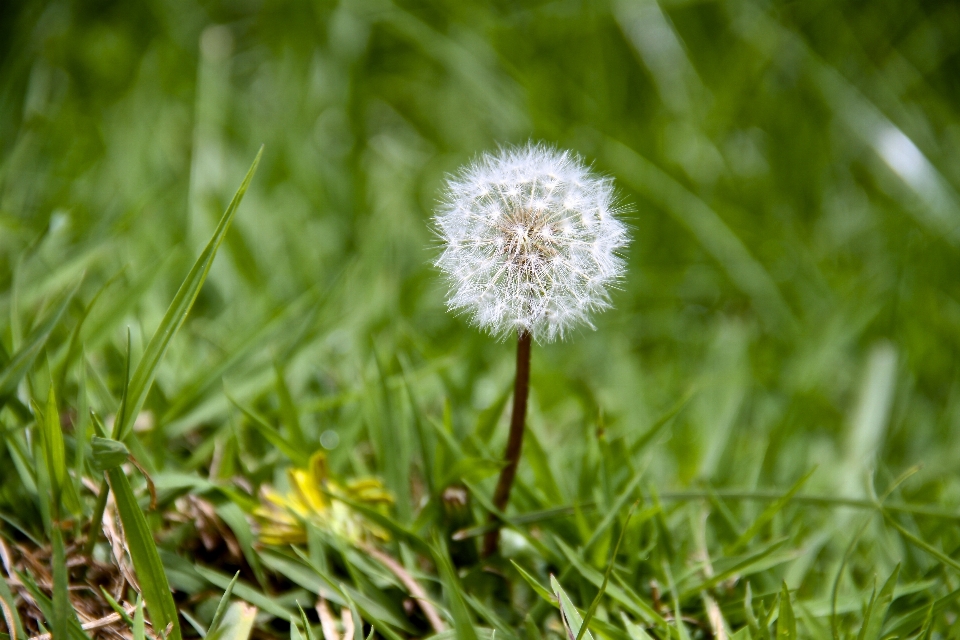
x,y
93,533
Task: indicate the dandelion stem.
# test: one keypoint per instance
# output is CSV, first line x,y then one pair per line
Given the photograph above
x,y
521,389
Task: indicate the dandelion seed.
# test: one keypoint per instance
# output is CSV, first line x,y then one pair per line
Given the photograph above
x,y
530,240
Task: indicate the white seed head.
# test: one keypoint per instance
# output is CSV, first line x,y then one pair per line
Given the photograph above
x,y
530,241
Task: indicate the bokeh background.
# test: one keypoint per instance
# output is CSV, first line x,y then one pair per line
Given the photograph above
x,y
791,169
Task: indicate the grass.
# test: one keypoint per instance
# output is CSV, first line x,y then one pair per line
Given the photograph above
x,y
286,435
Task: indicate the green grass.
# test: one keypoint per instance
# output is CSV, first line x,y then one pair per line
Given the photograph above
x,y
776,390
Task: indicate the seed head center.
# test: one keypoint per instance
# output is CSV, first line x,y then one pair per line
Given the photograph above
x,y
530,237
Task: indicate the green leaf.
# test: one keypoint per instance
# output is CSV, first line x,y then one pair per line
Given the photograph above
x,y
53,449
139,626
9,610
786,621
237,623
143,552
879,607
21,361
245,592
922,544
572,621
298,455
234,517
767,514
488,418
295,630
62,609
622,594
357,620
175,316
538,460
538,588
307,629
223,604
288,410
462,620
606,576
635,631
46,605
647,436
119,610
107,453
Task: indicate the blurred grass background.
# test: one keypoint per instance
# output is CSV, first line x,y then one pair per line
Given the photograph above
x,y
792,170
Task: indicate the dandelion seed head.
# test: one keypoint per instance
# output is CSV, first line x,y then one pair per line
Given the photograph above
x,y
530,242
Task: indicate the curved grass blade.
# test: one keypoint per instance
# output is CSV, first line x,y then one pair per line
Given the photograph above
x,y
143,552
176,314
10,615
767,514
538,588
298,455
23,359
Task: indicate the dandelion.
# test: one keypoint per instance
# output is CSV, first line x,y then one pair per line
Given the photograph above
x,y
311,498
530,247
530,240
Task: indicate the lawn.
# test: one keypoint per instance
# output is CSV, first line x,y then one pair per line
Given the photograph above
x,y
234,404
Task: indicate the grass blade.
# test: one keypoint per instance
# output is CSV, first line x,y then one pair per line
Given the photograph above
x,y
767,514
538,588
23,359
606,576
139,626
62,610
307,629
176,314
298,455
53,450
462,620
879,607
571,617
786,621
143,552
10,615
223,604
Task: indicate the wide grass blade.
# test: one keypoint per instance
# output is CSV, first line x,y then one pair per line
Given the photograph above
x,y
572,621
53,450
176,315
786,621
143,552
237,624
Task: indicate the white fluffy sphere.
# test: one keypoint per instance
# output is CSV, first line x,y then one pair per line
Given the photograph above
x,y
530,240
